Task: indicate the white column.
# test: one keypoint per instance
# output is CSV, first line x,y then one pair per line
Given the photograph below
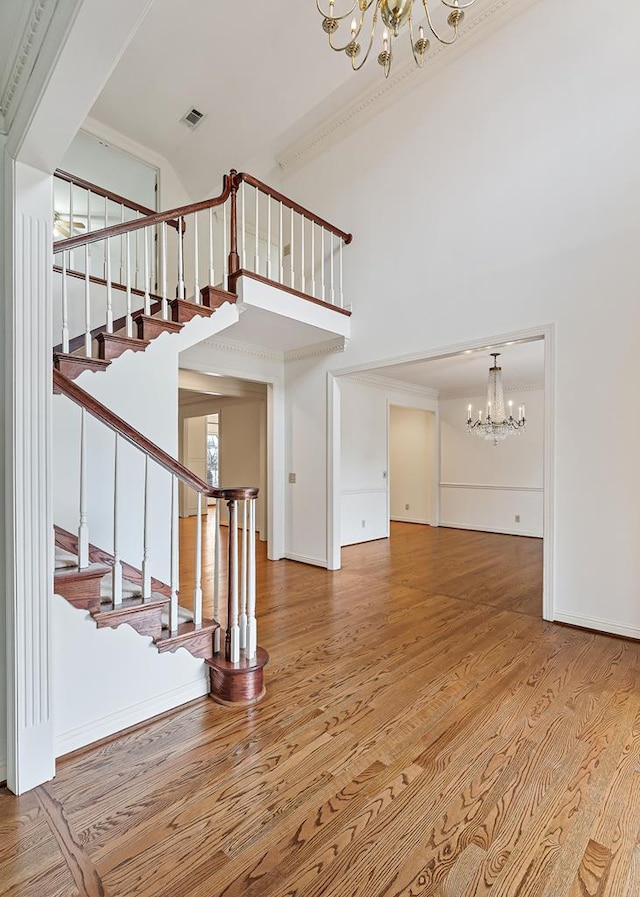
x,y
26,546
252,626
243,580
232,573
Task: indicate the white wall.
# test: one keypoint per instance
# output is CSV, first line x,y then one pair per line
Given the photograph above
x,y
412,449
239,444
517,209
5,293
485,486
193,454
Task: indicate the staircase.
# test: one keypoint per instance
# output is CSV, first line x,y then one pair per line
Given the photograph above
x,y
114,299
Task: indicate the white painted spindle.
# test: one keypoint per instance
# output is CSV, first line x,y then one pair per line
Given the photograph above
x,y
252,626
83,525
225,254
128,286
216,572
340,292
323,288
244,227
138,234
212,279
173,604
333,283
196,264
313,258
116,581
146,538
71,227
163,260
281,244
257,247
197,592
122,241
106,224
87,303
181,258
107,252
302,236
147,297
243,580
268,236
292,275
65,306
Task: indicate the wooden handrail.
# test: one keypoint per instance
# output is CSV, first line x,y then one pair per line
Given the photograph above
x,y
96,409
156,218
291,204
102,191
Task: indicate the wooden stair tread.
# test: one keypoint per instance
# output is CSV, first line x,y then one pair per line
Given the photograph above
x,y
214,297
73,365
198,640
182,310
77,574
112,345
149,327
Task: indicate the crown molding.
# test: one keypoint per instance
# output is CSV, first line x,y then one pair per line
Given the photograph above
x,y
475,393
379,96
248,349
327,348
25,53
390,384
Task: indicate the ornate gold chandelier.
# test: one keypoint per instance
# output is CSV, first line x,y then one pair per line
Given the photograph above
x,y
394,15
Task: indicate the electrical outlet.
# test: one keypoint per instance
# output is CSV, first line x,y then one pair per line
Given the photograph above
x,y
363,524
292,477
406,507
517,518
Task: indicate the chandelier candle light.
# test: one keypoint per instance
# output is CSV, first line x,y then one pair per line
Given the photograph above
x,y
497,425
394,15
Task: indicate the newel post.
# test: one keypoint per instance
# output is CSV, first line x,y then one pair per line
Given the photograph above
x,y
232,635
234,258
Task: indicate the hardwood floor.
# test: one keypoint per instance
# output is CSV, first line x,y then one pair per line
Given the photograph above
x,y
424,733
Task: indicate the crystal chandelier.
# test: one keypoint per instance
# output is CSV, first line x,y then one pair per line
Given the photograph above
x,y
394,15
497,426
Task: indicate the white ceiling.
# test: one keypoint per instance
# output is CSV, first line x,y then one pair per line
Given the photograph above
x,y
466,374
261,72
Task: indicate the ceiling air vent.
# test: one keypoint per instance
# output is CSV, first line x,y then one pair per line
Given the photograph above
x,y
193,118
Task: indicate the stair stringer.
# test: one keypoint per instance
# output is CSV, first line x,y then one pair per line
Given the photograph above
x,y
107,680
142,388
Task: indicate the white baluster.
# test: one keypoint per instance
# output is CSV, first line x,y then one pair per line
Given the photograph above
x,y
71,225
244,228
107,250
257,252
151,233
165,307
291,257
212,279
87,303
128,284
302,236
252,626
323,290
340,293
106,224
196,264
90,245
181,258
281,244
216,573
146,552
173,604
233,574
313,258
268,236
243,580
65,306
225,254
116,584
333,286
83,526
121,246
138,234
147,297
197,592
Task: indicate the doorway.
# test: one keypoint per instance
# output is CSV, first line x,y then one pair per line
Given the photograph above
x,y
413,464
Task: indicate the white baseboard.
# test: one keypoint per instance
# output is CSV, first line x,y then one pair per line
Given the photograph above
x,y
306,559
3,770
599,625
491,529
411,520
131,716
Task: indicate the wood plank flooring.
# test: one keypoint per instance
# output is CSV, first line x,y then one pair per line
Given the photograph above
x,y
424,733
